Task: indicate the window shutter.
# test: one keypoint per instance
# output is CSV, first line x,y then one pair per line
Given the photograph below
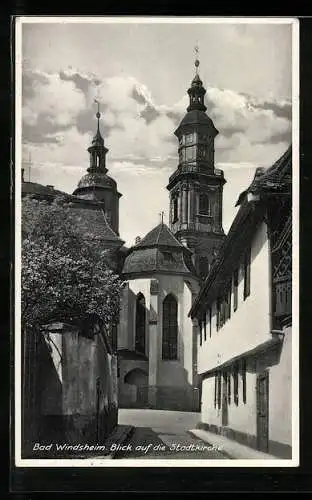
x,y
235,391
215,391
219,389
229,387
244,380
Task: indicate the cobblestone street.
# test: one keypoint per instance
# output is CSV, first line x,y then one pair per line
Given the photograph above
x,y
163,434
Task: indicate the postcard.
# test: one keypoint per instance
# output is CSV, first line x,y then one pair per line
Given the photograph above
x,y
156,242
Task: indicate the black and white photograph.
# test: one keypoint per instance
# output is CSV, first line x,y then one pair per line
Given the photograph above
x,y
156,179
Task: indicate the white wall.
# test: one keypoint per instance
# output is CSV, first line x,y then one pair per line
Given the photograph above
x,y
176,372
126,327
280,395
249,326
241,417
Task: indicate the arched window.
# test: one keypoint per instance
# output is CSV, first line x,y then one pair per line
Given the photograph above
x,y
140,320
204,204
170,328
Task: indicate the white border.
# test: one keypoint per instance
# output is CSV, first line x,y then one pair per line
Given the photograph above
x,y
294,462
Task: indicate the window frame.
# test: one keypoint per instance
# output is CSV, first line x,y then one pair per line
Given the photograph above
x,y
169,350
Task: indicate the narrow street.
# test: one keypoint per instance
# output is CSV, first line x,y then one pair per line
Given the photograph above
x,y
163,434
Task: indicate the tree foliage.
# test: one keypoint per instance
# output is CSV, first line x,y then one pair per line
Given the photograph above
x,y
65,270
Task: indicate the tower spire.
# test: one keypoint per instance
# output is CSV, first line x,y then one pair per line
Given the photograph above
x,y
197,62
98,114
97,150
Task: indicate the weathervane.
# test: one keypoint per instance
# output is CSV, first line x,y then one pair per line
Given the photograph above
x,y
196,49
97,101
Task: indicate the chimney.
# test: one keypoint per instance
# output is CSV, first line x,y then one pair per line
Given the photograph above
x,y
50,186
137,239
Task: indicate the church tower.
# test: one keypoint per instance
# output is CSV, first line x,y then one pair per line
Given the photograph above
x,y
196,186
96,185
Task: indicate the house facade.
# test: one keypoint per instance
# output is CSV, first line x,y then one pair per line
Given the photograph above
x,y
243,317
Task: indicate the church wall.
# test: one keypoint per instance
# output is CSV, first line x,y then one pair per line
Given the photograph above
x,y
175,378
170,382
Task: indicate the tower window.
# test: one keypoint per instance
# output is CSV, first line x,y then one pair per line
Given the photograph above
x,y
189,138
140,320
190,153
204,204
175,209
170,328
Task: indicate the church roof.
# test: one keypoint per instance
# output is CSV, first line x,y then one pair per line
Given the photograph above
x,y
34,188
197,117
160,236
90,217
158,252
96,179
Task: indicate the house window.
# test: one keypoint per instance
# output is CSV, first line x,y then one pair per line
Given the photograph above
x,y
229,380
170,328
218,313
210,319
175,209
204,204
219,389
247,274
217,393
205,325
244,380
235,384
235,291
140,324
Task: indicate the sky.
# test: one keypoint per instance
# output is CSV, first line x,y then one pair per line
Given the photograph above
x,y
140,72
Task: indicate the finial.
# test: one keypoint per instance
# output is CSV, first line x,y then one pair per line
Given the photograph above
x,y
98,114
196,49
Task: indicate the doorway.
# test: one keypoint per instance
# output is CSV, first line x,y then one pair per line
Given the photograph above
x,y
263,411
139,379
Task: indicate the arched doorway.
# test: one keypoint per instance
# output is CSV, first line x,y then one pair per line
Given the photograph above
x,y
139,379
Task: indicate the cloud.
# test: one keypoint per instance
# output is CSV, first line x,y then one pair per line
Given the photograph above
x,y
59,121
